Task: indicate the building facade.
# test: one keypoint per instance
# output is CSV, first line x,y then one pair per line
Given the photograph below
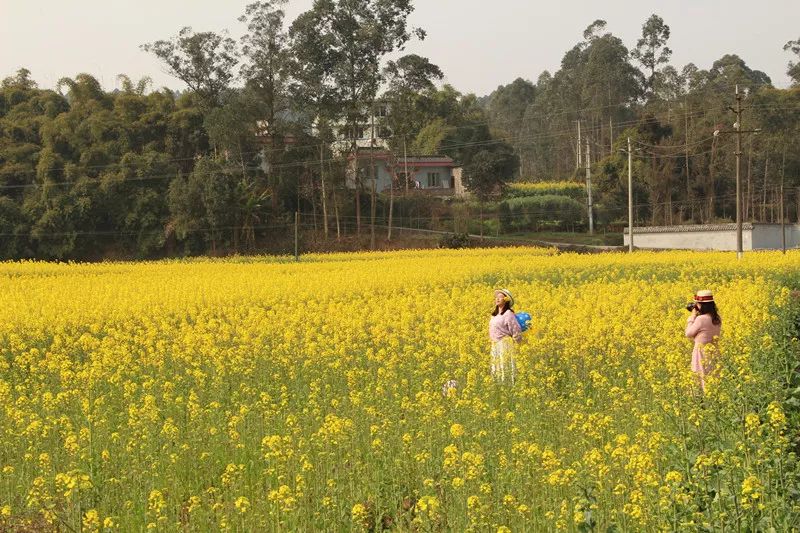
x,y
433,173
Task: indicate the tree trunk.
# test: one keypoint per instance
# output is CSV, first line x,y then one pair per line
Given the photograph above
x,y
686,155
772,205
668,197
748,204
797,207
324,201
764,192
481,221
654,193
391,197
358,208
335,200
336,214
710,183
313,204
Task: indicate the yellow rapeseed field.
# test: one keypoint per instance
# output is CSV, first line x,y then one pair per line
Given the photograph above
x,y
256,394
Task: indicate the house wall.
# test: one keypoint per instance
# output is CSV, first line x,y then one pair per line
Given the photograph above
x,y
445,175
383,176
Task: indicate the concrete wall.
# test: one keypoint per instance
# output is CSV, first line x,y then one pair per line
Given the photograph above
x,y
714,237
695,240
768,236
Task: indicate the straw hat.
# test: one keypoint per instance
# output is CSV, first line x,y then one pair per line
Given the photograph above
x,y
703,296
507,294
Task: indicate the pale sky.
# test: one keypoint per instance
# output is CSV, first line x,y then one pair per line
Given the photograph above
x,y
478,44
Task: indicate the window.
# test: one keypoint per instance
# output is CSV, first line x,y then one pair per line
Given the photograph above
x,y
434,180
384,132
382,111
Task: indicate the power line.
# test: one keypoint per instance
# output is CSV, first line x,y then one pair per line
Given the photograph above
x,y
459,127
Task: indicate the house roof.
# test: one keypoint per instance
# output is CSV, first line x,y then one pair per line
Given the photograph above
x,y
415,160
687,228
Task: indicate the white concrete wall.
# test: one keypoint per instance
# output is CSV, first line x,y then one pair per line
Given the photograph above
x,y
757,237
768,236
690,240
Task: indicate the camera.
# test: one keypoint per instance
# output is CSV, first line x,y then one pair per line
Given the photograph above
x,y
691,306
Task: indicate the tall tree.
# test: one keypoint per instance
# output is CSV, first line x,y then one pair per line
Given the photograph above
x,y
267,74
410,83
651,49
204,61
794,68
506,112
488,171
349,39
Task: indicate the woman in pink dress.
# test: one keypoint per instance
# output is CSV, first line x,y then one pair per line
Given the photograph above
x,y
504,332
704,326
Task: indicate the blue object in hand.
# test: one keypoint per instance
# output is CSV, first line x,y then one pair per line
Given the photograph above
x,y
524,320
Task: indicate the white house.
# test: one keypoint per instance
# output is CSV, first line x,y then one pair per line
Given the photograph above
x,y
433,173
373,124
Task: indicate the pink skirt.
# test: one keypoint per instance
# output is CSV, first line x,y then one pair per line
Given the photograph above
x,y
701,364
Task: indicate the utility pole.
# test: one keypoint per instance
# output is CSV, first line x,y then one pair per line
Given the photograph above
x,y
391,194
296,235
738,127
738,131
783,221
374,185
580,147
405,162
589,186
686,147
630,197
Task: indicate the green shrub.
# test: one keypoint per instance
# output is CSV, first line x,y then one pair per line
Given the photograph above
x,y
454,240
571,189
529,213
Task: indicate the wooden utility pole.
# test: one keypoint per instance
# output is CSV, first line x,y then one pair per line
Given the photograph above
x,y
783,218
686,149
357,175
738,126
589,187
630,197
738,131
391,195
296,235
405,161
764,192
374,185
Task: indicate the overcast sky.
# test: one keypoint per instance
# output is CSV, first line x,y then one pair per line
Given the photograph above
x,y
479,44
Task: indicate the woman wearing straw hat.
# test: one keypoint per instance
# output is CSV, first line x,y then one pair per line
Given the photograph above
x,y
504,332
704,326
